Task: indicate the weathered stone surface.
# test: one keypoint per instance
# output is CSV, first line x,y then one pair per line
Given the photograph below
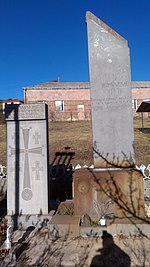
x,y
111,101
27,160
64,226
109,193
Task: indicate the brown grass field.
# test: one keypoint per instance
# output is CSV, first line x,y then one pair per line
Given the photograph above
x,y
76,137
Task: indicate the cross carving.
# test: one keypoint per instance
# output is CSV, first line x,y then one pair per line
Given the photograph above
x,y
37,170
36,137
27,192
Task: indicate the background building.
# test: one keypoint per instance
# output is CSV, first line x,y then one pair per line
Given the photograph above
x,y
67,101
70,101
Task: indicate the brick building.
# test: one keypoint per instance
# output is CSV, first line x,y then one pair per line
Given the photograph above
x,y
71,100
140,92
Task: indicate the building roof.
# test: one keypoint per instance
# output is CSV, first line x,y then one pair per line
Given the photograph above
x,y
78,85
140,84
59,85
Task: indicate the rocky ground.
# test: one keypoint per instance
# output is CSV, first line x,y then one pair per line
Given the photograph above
x,y
40,250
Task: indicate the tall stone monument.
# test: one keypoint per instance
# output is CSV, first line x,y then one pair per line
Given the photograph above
x,y
27,159
113,186
111,100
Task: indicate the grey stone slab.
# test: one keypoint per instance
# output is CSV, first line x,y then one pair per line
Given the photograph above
x,y
25,221
111,100
27,163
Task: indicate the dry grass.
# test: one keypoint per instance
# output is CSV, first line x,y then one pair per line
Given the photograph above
x,y
73,137
142,142
3,145
77,137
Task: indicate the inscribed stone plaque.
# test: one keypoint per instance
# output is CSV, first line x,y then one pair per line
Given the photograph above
x,y
27,159
25,112
111,100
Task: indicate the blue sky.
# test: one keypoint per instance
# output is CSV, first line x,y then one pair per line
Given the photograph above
x,y
41,40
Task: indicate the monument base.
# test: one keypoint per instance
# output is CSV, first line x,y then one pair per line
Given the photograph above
x,y
112,193
22,222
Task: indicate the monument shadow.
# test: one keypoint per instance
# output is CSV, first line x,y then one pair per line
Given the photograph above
x,y
110,254
9,109
61,176
144,130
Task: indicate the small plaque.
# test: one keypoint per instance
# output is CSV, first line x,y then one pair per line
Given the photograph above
x,y
16,112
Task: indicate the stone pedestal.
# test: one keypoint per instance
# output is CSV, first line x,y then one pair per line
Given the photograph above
x,y
108,192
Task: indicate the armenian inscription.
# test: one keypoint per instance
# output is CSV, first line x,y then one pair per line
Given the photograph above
x,y
26,111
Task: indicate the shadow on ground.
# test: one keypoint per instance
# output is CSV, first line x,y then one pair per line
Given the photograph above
x,y
110,254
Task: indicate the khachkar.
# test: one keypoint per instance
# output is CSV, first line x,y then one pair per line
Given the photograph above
x,y
27,159
113,186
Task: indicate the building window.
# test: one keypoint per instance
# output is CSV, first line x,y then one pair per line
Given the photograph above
x,y
80,108
59,105
134,103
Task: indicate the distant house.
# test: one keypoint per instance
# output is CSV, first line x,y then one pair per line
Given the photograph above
x,y
140,92
70,101
67,101
3,104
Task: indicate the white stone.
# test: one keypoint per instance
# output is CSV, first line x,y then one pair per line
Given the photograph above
x,y
27,160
